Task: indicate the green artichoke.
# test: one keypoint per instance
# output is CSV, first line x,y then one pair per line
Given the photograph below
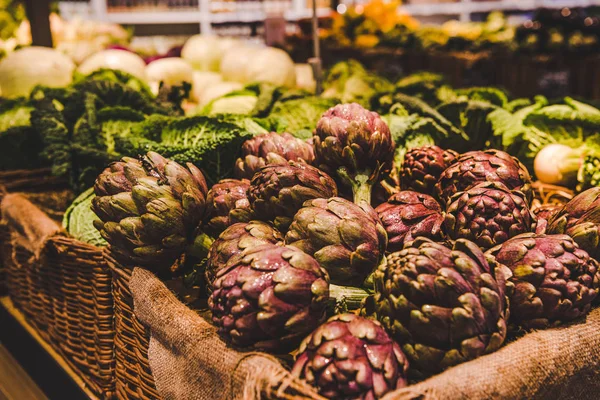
x,y
278,191
488,214
580,219
356,144
552,279
407,215
443,305
271,148
234,240
227,203
351,357
149,210
482,166
423,166
347,239
269,297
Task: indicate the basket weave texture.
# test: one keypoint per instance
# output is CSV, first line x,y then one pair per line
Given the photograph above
x,y
63,287
133,376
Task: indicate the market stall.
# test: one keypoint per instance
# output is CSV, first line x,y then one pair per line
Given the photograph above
x,y
377,207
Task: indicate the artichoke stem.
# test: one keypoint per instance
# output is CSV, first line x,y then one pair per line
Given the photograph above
x,y
346,298
361,184
200,247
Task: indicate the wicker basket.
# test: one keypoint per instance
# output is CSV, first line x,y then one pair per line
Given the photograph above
x,y
63,287
132,371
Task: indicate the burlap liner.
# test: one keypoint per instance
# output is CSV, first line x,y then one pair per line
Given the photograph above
x,y
30,227
190,361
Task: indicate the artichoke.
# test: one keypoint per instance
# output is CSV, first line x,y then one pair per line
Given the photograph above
x,y
580,219
227,203
407,215
149,210
542,214
443,305
278,191
423,166
356,144
269,297
488,214
271,148
351,357
234,240
482,166
552,281
347,239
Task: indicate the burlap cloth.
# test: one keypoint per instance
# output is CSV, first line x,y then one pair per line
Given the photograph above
x,y
31,228
190,361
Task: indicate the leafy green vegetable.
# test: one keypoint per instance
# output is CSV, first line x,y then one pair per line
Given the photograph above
x,y
350,82
79,220
211,143
79,125
299,116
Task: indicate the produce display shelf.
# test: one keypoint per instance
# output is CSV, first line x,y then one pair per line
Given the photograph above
x,y
465,8
19,319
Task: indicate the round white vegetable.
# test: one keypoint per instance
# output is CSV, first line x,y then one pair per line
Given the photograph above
x,y
234,62
115,59
304,77
171,71
204,52
23,69
202,80
558,164
272,65
217,90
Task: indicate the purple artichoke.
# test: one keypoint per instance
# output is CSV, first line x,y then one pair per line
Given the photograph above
x,y
580,219
407,215
542,214
552,281
269,297
482,166
423,166
277,192
347,239
234,240
356,144
351,357
444,306
149,210
227,203
271,148
488,214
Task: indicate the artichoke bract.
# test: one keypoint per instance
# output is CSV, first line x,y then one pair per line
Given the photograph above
x,y
351,357
347,239
552,281
407,215
269,297
580,219
234,240
227,203
356,144
488,214
278,191
444,306
483,166
271,148
542,214
149,210
423,166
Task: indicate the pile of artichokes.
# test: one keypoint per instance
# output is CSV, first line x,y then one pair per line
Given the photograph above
x,y
449,266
